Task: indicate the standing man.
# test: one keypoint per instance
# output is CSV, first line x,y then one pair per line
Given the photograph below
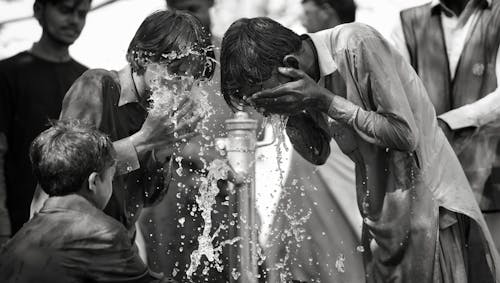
x,y
454,47
418,209
327,191
32,87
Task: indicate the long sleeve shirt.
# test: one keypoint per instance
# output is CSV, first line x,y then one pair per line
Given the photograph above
x,y
483,112
383,119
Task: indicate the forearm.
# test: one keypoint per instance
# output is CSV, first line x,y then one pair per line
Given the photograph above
x,y
382,129
483,112
5,229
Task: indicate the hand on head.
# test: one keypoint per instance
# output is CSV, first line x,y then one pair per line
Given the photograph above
x,y
301,93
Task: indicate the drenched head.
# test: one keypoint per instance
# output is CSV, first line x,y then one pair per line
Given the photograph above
x,y
252,49
67,154
175,39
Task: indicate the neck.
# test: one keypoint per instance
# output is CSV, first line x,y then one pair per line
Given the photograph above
x,y
307,60
132,85
50,50
457,6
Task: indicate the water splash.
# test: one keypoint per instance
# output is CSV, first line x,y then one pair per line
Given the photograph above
x,y
217,170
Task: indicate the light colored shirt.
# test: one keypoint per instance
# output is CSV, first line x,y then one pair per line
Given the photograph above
x,y
485,111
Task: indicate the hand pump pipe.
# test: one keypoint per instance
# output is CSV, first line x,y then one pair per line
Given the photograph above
x,y
239,146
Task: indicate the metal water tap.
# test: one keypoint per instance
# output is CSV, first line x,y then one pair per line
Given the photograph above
x,y
239,147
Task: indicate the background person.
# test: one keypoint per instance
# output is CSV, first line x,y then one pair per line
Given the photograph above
x,y
32,87
454,47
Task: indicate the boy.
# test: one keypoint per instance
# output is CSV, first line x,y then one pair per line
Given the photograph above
x,y
71,239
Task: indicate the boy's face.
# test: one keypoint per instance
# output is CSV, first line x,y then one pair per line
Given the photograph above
x,y
180,74
104,186
63,21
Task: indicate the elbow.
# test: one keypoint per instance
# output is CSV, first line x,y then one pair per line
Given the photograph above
x,y
408,141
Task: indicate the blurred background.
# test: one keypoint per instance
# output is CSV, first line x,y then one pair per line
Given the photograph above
x,y
112,23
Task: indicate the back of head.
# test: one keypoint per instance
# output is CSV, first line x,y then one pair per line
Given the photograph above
x,y
251,50
167,32
64,156
345,9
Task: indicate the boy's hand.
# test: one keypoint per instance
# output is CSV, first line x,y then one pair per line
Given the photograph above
x,y
292,97
164,132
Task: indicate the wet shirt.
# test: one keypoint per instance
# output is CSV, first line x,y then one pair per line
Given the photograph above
x,y
70,240
405,168
31,92
95,98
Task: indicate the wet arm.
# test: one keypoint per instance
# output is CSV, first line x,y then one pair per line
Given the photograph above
x,y
389,122
84,101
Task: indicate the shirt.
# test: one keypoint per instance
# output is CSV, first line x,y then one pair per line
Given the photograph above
x,y
485,111
31,92
383,119
71,240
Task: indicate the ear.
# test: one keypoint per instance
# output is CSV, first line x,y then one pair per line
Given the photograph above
x,y
291,61
93,179
38,11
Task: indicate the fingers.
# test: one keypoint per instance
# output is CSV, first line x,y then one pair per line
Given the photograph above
x,y
185,107
293,73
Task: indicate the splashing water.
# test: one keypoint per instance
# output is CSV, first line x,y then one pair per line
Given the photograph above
x,y
217,170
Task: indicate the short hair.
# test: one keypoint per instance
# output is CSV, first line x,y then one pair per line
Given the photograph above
x,y
64,156
346,9
164,32
251,50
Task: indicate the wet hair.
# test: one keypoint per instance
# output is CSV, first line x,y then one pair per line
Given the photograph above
x,y
64,156
164,32
345,9
251,50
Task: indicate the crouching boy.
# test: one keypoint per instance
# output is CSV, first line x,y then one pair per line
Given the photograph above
x,y
71,239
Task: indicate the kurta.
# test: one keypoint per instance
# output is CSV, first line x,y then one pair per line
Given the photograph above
x,y
408,179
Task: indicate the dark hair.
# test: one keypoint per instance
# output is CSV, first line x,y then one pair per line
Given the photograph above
x,y
251,50
64,156
346,9
164,32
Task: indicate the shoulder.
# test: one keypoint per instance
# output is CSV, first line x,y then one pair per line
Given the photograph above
x,y
352,35
15,62
91,82
78,66
98,225
416,11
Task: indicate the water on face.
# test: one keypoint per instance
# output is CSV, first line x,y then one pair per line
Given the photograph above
x,y
167,92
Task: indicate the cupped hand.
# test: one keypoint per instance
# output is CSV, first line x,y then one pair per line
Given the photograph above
x,y
289,98
167,132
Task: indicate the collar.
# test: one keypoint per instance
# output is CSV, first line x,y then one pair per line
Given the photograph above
x,y
73,202
128,90
322,42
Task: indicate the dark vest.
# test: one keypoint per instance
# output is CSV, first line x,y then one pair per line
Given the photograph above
x,y
474,78
475,75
